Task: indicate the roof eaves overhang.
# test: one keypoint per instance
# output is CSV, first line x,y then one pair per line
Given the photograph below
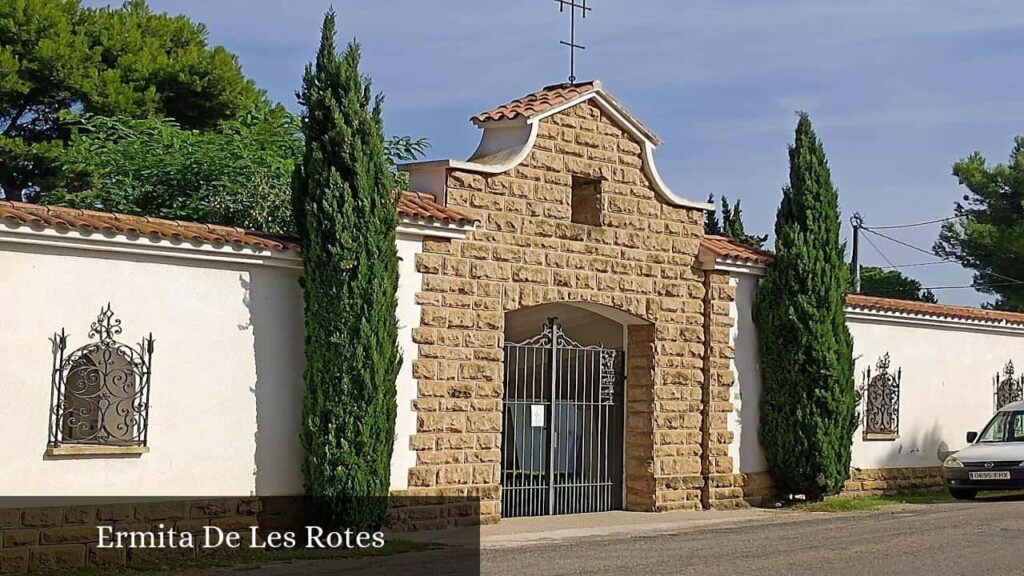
x,y
427,227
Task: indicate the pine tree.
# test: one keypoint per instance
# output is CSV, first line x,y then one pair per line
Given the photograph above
x,y
808,401
711,225
346,215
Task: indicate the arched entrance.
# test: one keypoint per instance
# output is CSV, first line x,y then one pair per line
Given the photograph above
x,y
563,417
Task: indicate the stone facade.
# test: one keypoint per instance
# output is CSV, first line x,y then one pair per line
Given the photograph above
x,y
527,251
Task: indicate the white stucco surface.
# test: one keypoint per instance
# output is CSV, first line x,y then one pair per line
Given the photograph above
x,y
408,312
226,400
946,388
226,372
226,388
745,418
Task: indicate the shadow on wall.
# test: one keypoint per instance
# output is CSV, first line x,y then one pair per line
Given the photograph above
x,y
274,300
923,448
747,365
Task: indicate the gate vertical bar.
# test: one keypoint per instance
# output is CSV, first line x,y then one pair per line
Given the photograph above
x,y
552,436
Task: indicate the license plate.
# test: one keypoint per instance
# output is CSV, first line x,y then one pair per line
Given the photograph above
x,y
990,475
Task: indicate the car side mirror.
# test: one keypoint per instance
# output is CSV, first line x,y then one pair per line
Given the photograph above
x,y
971,437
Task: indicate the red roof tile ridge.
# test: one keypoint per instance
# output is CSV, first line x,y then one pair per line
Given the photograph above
x,y
179,230
728,248
423,205
537,102
412,204
933,309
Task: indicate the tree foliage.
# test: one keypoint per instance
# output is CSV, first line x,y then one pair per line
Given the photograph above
x,y
346,216
876,281
988,236
238,174
712,226
808,401
57,56
731,225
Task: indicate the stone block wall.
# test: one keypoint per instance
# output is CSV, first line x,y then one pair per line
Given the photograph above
x,y
528,251
47,539
639,471
878,481
758,489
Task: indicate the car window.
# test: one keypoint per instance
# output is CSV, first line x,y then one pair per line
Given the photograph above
x,y
1016,431
1004,427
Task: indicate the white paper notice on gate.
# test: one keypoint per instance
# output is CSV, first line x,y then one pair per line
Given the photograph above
x,y
537,415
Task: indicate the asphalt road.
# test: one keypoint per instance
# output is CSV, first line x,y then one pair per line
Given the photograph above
x,y
984,538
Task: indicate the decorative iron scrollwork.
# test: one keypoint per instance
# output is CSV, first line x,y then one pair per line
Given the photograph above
x,y
610,374
100,391
1008,388
882,399
552,333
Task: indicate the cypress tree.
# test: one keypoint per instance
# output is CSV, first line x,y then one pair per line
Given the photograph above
x,y
346,216
732,226
808,400
711,224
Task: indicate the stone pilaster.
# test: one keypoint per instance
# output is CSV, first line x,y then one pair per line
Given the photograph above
x,y
722,488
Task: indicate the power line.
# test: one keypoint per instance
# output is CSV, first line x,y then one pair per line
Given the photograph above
x,y
915,224
915,264
922,250
964,287
971,286
877,249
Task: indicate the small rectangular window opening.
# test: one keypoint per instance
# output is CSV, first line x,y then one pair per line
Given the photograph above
x,y
586,201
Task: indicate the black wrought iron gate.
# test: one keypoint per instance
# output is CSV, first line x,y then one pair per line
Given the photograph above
x,y
562,433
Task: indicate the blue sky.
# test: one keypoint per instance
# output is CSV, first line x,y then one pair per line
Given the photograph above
x,y
897,89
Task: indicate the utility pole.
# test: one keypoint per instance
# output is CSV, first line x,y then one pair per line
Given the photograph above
x,y
857,222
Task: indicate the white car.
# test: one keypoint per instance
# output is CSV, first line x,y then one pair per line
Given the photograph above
x,y
994,460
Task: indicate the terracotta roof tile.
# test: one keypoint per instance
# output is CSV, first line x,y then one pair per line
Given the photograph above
x,y
729,248
416,205
936,310
60,217
535,103
552,96
423,206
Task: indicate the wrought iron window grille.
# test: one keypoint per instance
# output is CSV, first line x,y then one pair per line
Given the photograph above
x,y
882,401
1007,388
100,391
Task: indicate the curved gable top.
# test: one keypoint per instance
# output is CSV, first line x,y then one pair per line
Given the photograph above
x,y
510,131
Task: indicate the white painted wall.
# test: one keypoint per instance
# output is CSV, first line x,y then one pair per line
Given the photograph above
x,y
227,366
409,283
745,418
946,389
226,398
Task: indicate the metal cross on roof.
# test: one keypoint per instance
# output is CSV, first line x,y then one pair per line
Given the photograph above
x,y
573,6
